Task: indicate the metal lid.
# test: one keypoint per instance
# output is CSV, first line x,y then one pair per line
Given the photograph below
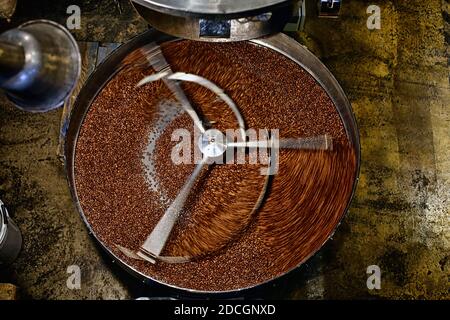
x,y
213,7
216,20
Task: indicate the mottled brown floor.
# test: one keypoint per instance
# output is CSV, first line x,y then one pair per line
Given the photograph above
x,y
397,81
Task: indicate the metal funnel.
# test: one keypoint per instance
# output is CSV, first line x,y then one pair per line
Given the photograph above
x,y
39,65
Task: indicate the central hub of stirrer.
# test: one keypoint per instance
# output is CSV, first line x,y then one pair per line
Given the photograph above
x,y
212,143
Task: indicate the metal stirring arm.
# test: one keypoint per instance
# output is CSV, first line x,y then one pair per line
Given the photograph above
x,y
189,77
157,60
157,239
322,142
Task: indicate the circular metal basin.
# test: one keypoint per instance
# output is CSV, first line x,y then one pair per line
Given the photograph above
x,y
278,42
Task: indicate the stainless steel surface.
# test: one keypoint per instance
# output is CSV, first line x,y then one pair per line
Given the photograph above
x,y
278,42
12,59
212,143
52,66
157,239
329,8
10,237
212,28
213,7
32,64
297,22
323,142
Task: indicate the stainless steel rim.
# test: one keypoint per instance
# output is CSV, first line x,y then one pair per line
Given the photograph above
x,y
217,7
278,42
206,28
75,70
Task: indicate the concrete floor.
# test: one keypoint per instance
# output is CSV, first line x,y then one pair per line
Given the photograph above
x,y
397,80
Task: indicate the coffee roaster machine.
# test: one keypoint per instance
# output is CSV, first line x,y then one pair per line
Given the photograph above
x,y
256,21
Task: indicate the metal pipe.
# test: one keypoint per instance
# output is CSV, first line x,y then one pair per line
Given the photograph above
x,y
49,65
12,59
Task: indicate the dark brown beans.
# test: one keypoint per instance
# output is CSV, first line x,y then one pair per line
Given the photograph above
x,y
235,247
